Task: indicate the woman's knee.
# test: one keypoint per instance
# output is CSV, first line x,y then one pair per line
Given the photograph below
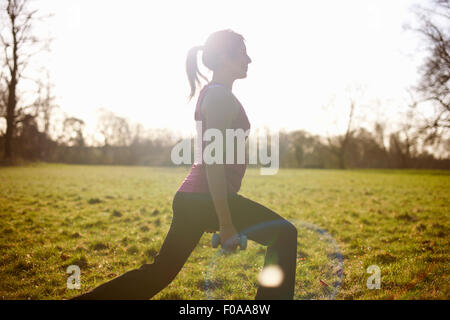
x,y
288,230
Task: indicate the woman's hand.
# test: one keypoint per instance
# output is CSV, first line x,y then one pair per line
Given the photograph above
x,y
228,237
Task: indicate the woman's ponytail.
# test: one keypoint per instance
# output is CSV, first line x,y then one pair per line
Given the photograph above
x,y
192,69
218,43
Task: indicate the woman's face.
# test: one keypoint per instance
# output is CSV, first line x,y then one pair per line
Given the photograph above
x,y
237,63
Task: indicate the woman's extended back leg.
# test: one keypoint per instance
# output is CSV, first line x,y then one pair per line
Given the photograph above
x,y
151,278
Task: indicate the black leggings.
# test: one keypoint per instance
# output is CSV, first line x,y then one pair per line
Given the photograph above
x,y
193,213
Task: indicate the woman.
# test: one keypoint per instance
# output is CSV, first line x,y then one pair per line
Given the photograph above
x,y
207,200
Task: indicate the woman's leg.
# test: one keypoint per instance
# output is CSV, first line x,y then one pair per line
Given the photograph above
x,y
262,225
266,227
149,279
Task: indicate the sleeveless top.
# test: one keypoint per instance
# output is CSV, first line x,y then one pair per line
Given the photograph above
x,y
196,179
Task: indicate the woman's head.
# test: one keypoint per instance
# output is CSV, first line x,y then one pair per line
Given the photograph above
x,y
224,51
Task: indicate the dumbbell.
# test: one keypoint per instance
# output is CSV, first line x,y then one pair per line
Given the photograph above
x,y
242,241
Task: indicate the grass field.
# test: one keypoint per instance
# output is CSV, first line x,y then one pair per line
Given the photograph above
x,y
110,219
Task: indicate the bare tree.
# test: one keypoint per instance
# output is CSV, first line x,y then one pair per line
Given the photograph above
x,y
435,71
137,133
3,99
19,45
379,131
303,145
73,132
114,129
403,144
45,104
338,145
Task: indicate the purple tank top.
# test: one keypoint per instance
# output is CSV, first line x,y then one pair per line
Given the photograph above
x,y
196,179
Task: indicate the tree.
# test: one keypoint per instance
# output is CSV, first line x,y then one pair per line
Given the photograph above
x,y
338,145
303,145
18,43
435,72
3,100
114,129
379,129
73,132
44,105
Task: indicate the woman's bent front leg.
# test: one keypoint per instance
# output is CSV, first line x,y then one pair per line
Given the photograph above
x,y
266,227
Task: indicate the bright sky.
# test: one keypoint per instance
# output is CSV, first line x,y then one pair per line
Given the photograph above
x,y
129,57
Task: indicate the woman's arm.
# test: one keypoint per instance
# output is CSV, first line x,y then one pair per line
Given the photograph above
x,y
219,109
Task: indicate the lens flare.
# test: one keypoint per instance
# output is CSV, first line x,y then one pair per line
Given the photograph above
x,y
271,276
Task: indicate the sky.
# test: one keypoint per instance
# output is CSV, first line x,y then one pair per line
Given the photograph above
x,y
308,59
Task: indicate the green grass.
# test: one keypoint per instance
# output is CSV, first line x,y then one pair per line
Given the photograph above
x,y
110,219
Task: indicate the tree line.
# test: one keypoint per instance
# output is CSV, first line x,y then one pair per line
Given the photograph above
x,y
124,144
